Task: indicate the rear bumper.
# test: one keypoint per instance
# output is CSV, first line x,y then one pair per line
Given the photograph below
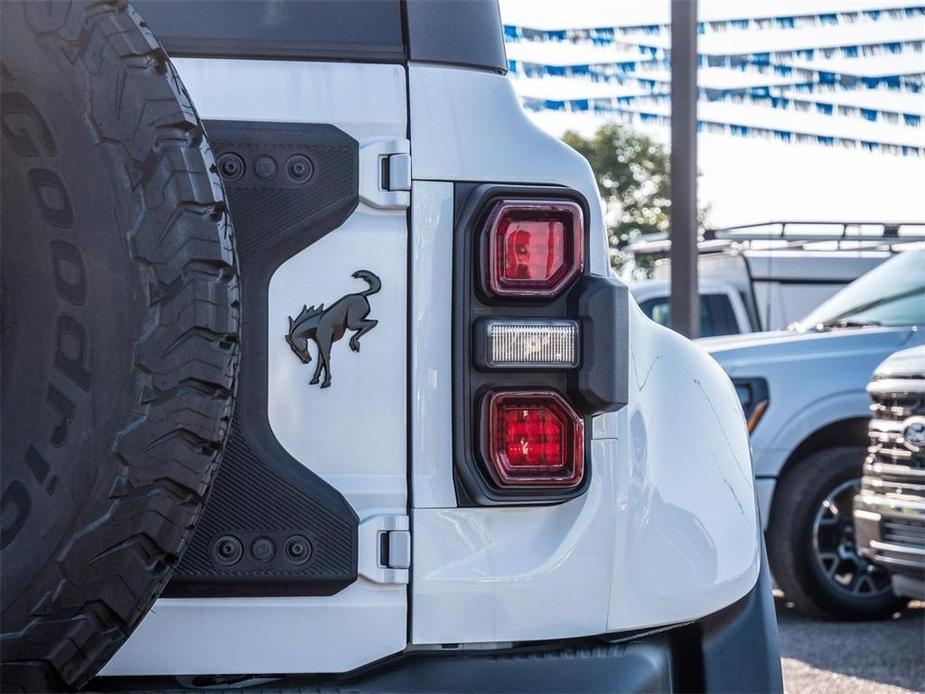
x,y
733,650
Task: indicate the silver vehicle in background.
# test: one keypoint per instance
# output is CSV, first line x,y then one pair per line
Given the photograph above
x,y
804,395
889,512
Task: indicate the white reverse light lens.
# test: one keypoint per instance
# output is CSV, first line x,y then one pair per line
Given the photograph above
x,y
533,343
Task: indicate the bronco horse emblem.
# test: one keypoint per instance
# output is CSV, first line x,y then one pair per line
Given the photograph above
x,y
327,325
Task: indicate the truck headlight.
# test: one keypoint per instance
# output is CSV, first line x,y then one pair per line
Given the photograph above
x,y
753,396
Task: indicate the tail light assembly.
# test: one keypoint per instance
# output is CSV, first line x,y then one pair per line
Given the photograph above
x,y
532,438
527,344
539,345
535,247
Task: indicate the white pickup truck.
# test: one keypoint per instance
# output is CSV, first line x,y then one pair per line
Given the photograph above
x,y
753,281
804,394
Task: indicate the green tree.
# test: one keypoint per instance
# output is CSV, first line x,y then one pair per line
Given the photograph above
x,y
632,172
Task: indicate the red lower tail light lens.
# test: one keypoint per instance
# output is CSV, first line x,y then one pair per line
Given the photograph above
x,y
533,439
535,247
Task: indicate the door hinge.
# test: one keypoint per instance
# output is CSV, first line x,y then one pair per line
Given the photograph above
x,y
385,172
385,549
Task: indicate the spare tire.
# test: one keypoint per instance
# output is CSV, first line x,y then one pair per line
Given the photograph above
x,y
119,311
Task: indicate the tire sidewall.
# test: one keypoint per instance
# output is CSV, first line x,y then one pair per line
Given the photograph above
x,y
74,305
151,289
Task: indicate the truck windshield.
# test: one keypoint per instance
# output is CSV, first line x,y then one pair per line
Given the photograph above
x,y
891,294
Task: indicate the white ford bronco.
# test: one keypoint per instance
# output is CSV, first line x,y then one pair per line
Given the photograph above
x,y
332,387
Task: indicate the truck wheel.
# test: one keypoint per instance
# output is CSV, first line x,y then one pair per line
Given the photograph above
x,y
119,316
811,543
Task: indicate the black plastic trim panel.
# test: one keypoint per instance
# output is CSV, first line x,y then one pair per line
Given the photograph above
x,y
456,32
263,497
464,33
600,306
740,649
361,30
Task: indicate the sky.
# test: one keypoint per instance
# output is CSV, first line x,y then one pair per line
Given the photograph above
x,y
747,180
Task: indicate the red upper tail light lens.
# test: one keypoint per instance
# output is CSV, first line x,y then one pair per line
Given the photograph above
x,y
533,439
535,247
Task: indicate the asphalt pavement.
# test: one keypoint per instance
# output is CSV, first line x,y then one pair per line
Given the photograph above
x,y
883,657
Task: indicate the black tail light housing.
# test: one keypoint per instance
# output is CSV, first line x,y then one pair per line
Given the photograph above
x,y
522,290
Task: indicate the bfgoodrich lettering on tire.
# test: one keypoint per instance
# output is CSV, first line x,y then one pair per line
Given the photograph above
x,y
119,314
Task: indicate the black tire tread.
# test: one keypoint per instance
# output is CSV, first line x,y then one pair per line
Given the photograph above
x,y
796,489
186,360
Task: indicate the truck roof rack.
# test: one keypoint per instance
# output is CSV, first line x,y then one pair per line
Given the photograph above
x,y
793,235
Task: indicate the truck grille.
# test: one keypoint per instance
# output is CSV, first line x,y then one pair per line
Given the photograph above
x,y
893,484
893,480
908,532
897,406
892,469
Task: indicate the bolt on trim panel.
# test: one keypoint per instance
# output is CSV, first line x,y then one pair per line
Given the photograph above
x,y
265,503
366,463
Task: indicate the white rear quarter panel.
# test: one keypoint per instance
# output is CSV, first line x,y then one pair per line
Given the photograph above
x,y
668,529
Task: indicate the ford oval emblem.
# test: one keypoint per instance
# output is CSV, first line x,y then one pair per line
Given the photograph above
x,y
914,432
